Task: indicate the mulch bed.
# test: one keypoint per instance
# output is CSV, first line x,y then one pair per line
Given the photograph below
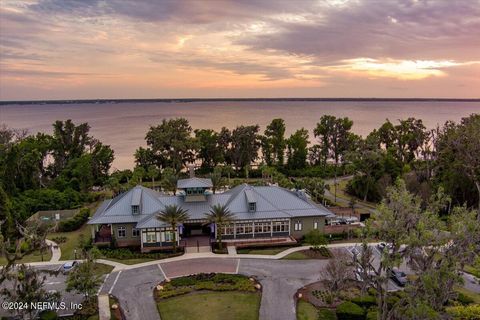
x,y
313,294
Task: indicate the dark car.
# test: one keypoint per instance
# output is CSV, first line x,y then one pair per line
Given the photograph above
x,y
68,266
399,277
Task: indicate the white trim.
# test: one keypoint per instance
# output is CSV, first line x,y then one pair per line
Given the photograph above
x,y
114,282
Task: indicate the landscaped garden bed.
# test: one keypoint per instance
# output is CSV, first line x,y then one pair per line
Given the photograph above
x,y
131,256
316,302
209,296
312,253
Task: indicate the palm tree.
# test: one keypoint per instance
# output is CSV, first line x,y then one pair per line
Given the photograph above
x,y
220,215
173,215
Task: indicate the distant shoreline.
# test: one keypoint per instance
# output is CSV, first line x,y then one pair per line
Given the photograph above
x,y
186,100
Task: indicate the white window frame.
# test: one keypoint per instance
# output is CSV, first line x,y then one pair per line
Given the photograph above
x,y
119,229
136,232
298,225
168,236
135,209
152,235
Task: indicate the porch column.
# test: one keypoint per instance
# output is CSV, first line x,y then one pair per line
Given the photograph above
x,y
143,237
253,229
271,229
234,231
92,228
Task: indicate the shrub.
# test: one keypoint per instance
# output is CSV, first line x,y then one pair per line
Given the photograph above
x,y
471,312
59,240
464,299
349,311
48,315
124,253
365,301
316,238
75,222
372,315
326,314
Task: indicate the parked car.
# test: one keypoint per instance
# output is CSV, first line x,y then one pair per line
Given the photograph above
x,y
351,220
399,277
382,245
68,266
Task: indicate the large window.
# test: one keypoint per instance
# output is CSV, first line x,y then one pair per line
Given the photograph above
x,y
280,226
168,236
150,237
121,232
244,228
227,230
263,227
135,232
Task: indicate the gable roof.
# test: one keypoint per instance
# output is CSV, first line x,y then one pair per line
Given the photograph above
x,y
194,183
272,202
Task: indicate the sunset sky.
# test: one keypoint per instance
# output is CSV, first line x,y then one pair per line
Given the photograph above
x,y
87,49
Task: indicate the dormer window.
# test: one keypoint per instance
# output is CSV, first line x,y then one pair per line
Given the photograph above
x,y
252,206
135,209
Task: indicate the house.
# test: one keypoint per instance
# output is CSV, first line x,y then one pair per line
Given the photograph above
x,y
261,212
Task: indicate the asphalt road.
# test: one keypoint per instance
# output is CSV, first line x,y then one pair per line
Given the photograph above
x,y
57,283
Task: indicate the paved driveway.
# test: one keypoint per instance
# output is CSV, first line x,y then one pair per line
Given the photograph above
x,y
192,266
134,290
280,280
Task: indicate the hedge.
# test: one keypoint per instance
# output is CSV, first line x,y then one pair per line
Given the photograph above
x,y
350,311
471,312
365,301
75,222
123,253
326,314
372,315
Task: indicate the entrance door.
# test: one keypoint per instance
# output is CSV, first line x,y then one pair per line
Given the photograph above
x,y
196,229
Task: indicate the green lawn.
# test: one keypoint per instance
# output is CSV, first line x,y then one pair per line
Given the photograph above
x,y
100,268
306,311
473,270
72,243
130,261
474,296
33,257
211,306
299,255
266,251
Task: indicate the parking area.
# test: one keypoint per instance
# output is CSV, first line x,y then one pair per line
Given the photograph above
x,y
392,286
206,265
55,283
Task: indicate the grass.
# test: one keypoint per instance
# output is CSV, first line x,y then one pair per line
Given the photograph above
x,y
129,261
473,270
72,243
299,255
306,311
211,306
474,296
266,251
101,269
33,257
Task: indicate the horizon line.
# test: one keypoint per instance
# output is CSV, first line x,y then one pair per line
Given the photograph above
x,y
184,100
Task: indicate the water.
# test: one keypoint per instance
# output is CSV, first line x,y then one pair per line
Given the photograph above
x,y
123,125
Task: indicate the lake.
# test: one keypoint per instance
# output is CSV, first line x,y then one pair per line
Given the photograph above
x,y
123,125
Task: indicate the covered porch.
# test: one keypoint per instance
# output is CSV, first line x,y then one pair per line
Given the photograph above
x,y
102,233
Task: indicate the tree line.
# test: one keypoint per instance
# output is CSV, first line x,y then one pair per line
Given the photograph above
x,y
447,156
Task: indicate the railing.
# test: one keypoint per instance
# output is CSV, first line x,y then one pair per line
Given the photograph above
x,y
99,238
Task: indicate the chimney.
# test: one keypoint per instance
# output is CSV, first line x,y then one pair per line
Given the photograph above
x,y
191,169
